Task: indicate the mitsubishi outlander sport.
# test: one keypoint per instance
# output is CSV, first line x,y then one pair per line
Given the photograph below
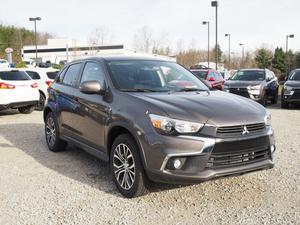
x,y
154,120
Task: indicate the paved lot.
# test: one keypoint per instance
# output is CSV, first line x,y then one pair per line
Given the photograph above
x,y
41,187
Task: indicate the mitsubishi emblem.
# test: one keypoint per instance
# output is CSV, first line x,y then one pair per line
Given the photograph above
x,y
245,130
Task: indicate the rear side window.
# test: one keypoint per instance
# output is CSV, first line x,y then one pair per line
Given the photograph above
x,y
14,75
33,75
200,74
92,71
71,77
52,74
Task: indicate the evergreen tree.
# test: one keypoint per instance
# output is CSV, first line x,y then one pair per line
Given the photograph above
x,y
263,58
279,60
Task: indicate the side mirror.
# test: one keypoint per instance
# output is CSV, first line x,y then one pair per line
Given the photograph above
x,y
212,79
92,87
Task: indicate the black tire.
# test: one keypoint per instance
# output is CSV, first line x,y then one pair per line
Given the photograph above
x,y
54,143
263,102
41,103
275,98
284,105
26,109
136,185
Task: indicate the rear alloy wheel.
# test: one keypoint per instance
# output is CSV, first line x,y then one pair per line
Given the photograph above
x,y
41,103
26,109
126,167
55,144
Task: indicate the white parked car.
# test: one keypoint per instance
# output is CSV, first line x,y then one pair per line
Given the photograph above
x,y
44,78
4,63
18,91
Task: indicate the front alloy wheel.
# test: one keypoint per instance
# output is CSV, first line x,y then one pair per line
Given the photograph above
x,y
126,167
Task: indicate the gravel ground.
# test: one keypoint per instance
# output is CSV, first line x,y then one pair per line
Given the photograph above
x,y
41,187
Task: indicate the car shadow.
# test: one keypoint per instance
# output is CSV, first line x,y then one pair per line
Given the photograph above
x,y
73,162
8,112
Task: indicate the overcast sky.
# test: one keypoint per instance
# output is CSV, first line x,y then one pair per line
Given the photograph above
x,y
252,22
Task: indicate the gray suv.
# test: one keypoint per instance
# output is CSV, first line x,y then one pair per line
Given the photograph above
x,y
154,120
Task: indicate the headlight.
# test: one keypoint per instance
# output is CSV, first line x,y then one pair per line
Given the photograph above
x,y
268,119
169,126
288,90
254,90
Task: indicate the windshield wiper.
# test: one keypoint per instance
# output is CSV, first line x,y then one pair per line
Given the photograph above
x,y
137,90
191,89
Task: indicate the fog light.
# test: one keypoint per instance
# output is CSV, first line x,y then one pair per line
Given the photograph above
x,y
177,163
272,148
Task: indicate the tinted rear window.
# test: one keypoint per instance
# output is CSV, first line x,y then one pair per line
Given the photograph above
x,y
200,74
33,75
14,75
52,75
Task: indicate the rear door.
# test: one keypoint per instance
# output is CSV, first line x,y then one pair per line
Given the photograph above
x,y
271,84
66,91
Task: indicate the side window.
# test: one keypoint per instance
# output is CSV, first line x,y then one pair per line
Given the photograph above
x,y
210,75
72,75
92,71
33,75
61,75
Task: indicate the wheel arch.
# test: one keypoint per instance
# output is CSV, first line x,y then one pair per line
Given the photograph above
x,y
119,129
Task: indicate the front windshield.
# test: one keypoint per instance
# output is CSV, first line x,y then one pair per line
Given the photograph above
x,y
153,76
295,76
249,75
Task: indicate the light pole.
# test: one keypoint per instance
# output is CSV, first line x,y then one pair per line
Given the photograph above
x,y
216,4
243,52
34,19
229,63
286,51
207,23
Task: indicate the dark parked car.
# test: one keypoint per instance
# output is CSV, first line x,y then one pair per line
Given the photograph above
x,y
291,89
213,77
261,85
137,114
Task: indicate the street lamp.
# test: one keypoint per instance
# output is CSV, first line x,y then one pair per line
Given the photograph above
x,y
207,23
286,51
216,4
34,19
229,36
243,52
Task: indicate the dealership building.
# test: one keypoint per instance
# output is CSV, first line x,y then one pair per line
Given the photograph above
x,y
65,50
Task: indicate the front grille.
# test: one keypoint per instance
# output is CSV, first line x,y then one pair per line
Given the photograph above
x,y
239,130
232,159
240,91
296,94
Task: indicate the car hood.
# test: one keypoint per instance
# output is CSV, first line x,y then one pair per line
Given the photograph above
x,y
293,83
214,107
241,83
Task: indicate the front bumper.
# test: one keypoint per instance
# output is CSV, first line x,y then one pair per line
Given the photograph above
x,y
245,93
291,98
196,154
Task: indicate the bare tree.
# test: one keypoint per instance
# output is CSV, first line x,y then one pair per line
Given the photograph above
x,y
101,36
143,39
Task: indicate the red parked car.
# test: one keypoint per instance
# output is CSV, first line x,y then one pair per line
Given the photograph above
x,y
211,77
